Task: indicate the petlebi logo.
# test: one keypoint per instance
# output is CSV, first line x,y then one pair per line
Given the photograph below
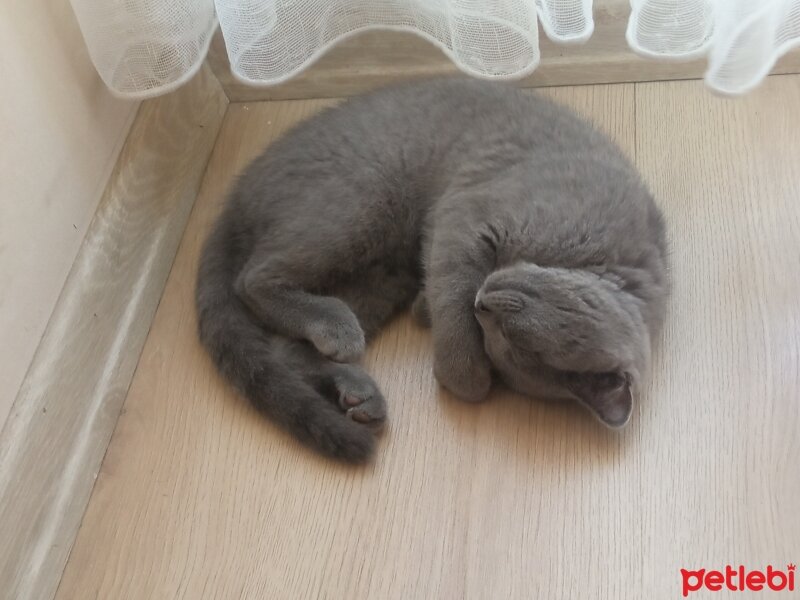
x,y
739,579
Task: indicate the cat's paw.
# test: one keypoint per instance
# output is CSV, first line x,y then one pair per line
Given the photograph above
x,y
341,339
467,377
359,397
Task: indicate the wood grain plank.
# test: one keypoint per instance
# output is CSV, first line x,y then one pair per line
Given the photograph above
x,y
727,453
199,497
58,431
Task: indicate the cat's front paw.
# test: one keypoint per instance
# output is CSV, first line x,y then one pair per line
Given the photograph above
x,y
467,377
341,339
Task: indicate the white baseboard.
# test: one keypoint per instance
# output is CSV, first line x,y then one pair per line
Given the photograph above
x,y
60,425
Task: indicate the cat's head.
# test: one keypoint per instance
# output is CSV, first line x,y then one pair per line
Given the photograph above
x,y
556,333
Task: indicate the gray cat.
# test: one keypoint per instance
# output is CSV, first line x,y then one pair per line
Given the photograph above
x,y
523,236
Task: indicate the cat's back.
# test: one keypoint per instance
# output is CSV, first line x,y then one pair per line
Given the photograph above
x,y
431,116
420,140
401,144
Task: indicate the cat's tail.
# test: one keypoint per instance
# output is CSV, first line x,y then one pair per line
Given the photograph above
x,y
263,366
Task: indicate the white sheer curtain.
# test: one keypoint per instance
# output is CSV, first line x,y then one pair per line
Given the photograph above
x,y
741,38
144,48
269,41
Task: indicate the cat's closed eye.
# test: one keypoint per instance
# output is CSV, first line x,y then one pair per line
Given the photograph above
x,y
481,308
499,302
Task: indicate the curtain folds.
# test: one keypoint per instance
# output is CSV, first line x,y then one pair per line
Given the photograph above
x,y
144,48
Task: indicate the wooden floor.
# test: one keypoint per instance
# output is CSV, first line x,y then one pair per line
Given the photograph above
x,y
199,497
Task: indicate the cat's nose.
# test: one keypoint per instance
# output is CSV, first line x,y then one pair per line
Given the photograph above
x,y
480,307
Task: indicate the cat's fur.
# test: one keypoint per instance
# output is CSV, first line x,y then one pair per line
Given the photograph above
x,y
533,248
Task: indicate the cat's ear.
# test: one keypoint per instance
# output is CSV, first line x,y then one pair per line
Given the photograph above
x,y
607,395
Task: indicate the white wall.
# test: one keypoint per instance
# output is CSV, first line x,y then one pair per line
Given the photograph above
x,y
60,133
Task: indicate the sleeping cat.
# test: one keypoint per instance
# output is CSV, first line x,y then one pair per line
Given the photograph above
x,y
523,236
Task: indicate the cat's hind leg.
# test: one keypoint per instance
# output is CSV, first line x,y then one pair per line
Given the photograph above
x,y
356,394
276,287
375,295
346,387
317,400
